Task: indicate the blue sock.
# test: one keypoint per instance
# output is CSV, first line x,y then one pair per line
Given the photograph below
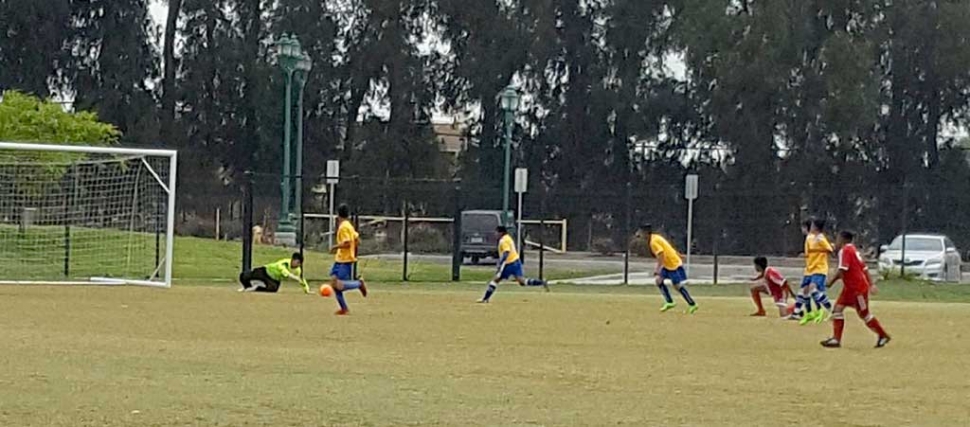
x,y
340,300
350,285
822,300
686,295
800,301
491,290
666,293
534,282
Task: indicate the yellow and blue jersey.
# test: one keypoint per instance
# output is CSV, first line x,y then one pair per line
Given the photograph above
x,y
663,250
817,250
346,233
506,244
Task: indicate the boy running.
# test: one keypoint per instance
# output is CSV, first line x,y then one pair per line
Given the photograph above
x,y
271,275
856,284
669,268
817,250
509,266
771,282
345,255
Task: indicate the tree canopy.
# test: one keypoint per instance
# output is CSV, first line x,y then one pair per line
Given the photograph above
x,y
846,110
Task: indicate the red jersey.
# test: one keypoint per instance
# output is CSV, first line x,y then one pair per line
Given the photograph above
x,y
774,278
853,270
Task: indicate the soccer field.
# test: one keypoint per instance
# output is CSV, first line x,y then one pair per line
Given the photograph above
x,y
427,355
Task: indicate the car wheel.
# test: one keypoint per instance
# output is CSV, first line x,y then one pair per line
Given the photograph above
x,y
475,260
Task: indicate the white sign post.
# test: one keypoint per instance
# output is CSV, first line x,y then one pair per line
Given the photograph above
x,y
690,193
521,186
333,176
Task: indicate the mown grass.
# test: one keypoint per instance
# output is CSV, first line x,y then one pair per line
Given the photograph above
x,y
40,252
426,355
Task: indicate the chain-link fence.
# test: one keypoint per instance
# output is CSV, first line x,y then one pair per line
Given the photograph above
x,y
408,227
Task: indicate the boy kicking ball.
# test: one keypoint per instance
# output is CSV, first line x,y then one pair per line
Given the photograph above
x,y
856,284
345,255
771,282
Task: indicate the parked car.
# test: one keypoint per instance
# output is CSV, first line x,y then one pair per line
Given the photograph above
x,y
478,239
928,256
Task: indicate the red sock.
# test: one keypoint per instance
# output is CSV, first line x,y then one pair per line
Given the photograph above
x,y
876,327
756,296
838,325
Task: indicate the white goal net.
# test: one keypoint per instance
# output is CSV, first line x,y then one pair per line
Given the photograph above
x,y
75,214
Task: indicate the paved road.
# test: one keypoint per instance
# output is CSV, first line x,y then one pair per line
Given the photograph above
x,y
730,269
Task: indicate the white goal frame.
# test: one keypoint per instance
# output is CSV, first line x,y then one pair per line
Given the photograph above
x,y
169,187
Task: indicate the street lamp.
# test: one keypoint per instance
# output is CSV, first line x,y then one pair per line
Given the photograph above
x,y
509,103
296,65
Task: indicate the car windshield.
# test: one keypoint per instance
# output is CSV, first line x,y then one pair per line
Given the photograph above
x,y
917,244
479,222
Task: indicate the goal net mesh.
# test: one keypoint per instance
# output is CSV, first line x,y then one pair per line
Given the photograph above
x,y
81,217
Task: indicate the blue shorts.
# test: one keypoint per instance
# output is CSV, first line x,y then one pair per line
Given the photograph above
x,y
816,279
343,270
512,270
676,277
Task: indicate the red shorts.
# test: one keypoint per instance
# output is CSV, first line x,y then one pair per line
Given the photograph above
x,y
776,292
857,300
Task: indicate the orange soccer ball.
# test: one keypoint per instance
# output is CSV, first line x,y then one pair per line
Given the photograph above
x,y
326,290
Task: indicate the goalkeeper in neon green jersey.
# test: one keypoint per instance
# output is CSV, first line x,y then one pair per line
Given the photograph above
x,y
271,275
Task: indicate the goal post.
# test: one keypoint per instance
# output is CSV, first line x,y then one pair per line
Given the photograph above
x,y
74,214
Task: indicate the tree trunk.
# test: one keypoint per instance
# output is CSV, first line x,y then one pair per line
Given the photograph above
x,y
168,79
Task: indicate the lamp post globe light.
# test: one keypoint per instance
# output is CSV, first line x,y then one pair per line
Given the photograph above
x,y
509,103
296,65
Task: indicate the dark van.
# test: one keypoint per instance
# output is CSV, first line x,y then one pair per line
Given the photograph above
x,y
478,238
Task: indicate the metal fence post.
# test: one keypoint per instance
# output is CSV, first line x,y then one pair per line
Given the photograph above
x,y
456,256
542,230
356,220
626,233
247,217
905,219
407,216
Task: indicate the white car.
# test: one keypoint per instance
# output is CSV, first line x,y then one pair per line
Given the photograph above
x,y
928,256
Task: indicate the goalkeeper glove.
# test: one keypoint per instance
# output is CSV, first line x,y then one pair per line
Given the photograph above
x,y
306,286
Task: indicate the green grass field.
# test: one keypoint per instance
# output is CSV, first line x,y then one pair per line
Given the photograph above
x,y
424,354
42,250
427,355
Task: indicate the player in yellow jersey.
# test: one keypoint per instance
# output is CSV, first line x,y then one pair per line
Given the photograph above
x,y
669,269
509,266
345,255
817,251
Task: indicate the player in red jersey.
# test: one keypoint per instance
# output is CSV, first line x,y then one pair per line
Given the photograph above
x,y
856,284
771,282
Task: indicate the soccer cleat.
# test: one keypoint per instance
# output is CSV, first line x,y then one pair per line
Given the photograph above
x,y
831,343
363,287
793,317
821,316
482,301
883,341
808,317
758,314
692,309
667,306
342,312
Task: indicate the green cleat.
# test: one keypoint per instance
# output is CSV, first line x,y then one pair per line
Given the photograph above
x,y
667,306
821,316
692,309
808,317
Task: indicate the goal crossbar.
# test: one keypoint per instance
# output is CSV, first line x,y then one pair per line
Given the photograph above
x,y
168,189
